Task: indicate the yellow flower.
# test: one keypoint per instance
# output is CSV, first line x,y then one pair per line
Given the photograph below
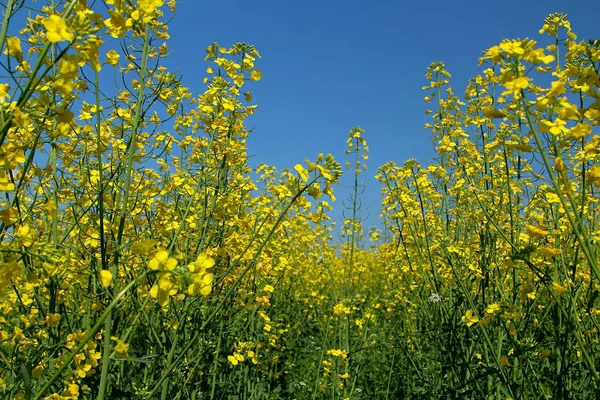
x,y
340,309
52,320
255,75
559,289
252,355
232,360
514,86
121,348
594,175
302,172
580,130
4,88
228,104
490,112
117,3
72,391
25,235
264,301
338,353
269,288
557,89
537,56
68,67
235,358
469,318
9,216
512,48
204,261
150,6
146,10
555,127
64,116
167,285
264,316
493,308
64,86
201,284
117,24
105,278
143,248
201,281
494,54
162,261
13,48
20,118
112,57
536,232
57,29
551,251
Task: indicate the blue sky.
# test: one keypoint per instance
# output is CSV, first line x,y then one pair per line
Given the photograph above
x,y
331,65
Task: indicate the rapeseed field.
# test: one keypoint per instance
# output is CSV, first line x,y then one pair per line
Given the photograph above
x,y
141,257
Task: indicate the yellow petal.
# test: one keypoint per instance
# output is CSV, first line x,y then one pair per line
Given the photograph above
x,y
105,278
171,264
491,112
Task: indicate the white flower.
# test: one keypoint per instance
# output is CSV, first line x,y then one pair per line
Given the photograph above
x,y
435,298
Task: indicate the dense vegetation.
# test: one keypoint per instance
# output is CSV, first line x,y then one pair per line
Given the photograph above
x,y
140,259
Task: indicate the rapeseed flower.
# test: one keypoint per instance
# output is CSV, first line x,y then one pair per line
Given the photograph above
x,y
167,285
57,29
555,127
236,358
338,353
469,318
559,289
121,348
105,278
201,280
13,48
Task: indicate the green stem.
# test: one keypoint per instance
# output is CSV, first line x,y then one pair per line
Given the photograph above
x,y
90,334
192,341
104,384
575,224
32,84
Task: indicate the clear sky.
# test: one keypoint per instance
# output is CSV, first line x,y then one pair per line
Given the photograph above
x,y
331,65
